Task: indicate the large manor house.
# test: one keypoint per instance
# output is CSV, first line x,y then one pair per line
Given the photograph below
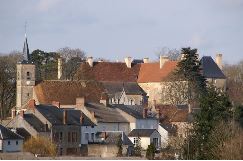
x,y
106,101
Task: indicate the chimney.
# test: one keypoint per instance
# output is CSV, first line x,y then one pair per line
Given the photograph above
x,y
80,102
162,60
93,114
218,60
104,99
189,108
21,113
145,113
145,60
32,104
65,117
90,61
13,113
81,118
46,127
55,103
59,68
128,61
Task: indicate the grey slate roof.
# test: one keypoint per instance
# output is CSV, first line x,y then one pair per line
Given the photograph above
x,y
169,127
113,137
141,132
22,132
6,133
134,110
105,114
55,115
132,88
34,122
210,68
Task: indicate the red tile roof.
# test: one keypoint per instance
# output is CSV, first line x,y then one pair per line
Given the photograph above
x,y
66,92
170,113
118,72
151,72
109,71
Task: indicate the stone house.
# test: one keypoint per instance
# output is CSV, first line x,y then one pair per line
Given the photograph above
x,y
127,93
10,141
147,136
65,127
212,71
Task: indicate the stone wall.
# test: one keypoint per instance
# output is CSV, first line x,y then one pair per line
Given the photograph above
x,y
102,150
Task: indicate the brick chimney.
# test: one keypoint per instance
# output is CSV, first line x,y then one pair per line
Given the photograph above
x,y
90,61
104,100
218,60
128,61
21,113
81,118
65,117
93,114
32,104
56,103
145,113
80,102
59,68
145,60
13,113
162,60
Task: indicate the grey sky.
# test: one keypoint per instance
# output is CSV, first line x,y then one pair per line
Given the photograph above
x,y
114,29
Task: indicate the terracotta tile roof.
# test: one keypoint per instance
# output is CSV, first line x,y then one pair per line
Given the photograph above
x,y
66,92
170,113
151,72
108,71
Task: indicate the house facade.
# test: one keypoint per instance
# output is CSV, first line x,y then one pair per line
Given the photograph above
x,y
146,136
10,141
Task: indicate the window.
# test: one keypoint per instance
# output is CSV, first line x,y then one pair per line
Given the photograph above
x,y
60,137
28,76
92,126
28,94
69,137
92,137
8,142
17,143
135,141
74,137
87,136
156,142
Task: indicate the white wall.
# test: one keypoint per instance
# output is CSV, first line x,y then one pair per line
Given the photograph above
x,y
164,136
145,141
105,126
89,130
146,124
12,147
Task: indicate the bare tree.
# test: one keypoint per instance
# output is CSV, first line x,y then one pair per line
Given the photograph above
x,y
8,81
173,54
73,58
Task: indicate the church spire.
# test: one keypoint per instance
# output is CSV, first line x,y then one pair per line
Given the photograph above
x,y
26,47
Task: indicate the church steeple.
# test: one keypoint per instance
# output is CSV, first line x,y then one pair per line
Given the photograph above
x,y
26,51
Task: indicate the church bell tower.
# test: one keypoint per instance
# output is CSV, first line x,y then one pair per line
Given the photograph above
x,y
25,78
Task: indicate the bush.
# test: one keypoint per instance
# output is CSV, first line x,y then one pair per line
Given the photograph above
x,y
40,145
150,153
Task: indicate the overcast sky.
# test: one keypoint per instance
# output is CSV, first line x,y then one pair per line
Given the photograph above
x,y
114,29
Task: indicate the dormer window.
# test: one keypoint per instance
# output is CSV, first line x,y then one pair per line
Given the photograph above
x,y
28,76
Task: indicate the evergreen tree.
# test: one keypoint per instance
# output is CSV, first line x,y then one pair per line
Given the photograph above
x,y
119,146
150,153
214,108
189,69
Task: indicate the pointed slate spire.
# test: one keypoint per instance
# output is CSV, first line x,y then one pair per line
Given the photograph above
x,y
26,50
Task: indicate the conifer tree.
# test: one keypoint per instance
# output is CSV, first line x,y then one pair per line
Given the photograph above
x,y
119,146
